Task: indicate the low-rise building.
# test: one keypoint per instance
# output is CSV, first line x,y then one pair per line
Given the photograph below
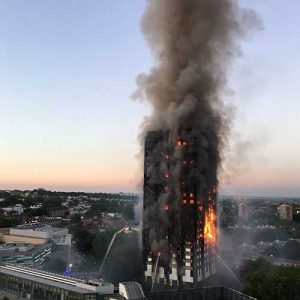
x,y
35,284
25,254
34,233
41,232
131,290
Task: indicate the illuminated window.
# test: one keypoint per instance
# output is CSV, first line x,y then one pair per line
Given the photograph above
x,y
184,201
192,201
191,195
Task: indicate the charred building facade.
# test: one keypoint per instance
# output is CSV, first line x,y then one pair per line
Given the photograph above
x,y
179,213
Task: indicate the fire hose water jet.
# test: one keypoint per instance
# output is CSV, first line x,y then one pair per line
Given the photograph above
x,y
155,272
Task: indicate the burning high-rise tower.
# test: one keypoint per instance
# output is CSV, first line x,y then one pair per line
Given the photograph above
x,y
179,224
193,42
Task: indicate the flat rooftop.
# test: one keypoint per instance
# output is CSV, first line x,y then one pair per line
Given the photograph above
x,y
22,249
52,279
38,227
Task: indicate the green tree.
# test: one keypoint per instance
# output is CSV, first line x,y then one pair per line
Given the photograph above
x,y
38,212
100,244
255,284
283,283
6,222
256,266
129,211
76,219
83,239
291,250
52,203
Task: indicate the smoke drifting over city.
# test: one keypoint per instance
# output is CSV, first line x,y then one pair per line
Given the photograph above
x,y
193,43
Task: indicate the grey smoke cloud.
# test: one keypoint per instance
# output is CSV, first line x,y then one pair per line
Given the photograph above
x,y
193,42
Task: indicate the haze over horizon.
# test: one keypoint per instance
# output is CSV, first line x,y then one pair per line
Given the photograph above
x,y
66,77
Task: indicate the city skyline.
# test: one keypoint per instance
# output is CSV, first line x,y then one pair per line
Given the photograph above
x,y
67,122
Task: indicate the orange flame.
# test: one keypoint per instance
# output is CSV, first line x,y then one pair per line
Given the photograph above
x,y
210,231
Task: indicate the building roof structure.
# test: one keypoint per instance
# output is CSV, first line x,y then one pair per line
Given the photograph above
x,y
55,280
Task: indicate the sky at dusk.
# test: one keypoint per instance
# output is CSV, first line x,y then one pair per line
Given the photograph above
x,y
68,68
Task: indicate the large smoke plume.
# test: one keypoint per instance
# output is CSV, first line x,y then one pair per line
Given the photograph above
x,y
193,42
